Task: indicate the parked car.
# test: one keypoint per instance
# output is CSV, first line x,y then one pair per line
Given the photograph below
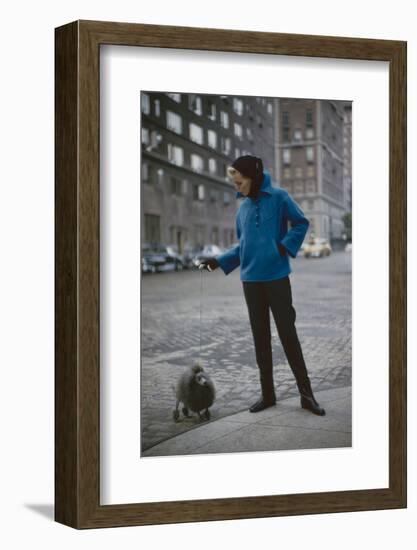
x,y
301,250
208,251
317,248
189,253
172,250
156,258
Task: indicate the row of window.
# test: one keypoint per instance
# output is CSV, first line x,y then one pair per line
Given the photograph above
x,y
196,132
196,135
174,122
180,187
298,135
196,162
286,155
153,224
195,104
298,172
175,153
301,187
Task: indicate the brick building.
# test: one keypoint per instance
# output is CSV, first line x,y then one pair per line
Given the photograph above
x,y
309,138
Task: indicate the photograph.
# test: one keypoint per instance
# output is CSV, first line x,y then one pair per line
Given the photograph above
x,y
246,273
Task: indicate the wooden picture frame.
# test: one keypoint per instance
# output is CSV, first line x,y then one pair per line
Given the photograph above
x,y
77,358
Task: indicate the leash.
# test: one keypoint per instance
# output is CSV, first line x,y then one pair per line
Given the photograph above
x,y
201,305
201,268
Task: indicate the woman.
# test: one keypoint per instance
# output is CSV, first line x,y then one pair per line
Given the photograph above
x,y
263,251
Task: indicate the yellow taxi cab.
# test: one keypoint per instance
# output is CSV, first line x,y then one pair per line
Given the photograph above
x,y
317,248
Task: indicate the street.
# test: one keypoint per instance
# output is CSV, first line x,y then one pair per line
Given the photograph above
x,y
170,338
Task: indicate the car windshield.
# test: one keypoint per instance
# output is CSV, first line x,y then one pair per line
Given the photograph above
x,y
154,250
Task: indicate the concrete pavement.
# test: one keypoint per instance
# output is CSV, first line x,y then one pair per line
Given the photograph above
x,y
170,339
282,427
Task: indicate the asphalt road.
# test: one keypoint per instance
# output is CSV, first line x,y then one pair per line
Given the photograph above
x,y
173,338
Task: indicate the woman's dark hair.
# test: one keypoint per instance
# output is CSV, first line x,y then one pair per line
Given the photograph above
x,y
251,167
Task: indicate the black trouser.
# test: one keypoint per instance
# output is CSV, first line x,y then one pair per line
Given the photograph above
x,y
275,295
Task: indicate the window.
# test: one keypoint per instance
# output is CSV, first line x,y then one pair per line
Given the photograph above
x,y
249,134
287,173
146,104
226,145
215,235
299,187
145,136
156,139
211,110
152,228
176,186
197,163
145,172
238,106
224,119
285,126
157,107
198,192
286,156
214,195
212,164
175,97
310,155
298,172
226,198
238,129
269,108
237,152
309,133
297,135
175,154
196,133
309,118
212,139
174,122
195,104
311,187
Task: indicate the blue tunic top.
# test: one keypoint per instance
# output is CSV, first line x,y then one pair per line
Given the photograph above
x,y
261,225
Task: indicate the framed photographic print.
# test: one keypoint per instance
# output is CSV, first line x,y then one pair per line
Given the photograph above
x,y
230,274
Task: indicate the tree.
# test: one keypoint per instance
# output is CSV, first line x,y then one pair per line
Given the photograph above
x,y
347,220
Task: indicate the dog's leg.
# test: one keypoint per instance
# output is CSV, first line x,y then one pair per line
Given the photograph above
x,y
176,412
186,412
207,414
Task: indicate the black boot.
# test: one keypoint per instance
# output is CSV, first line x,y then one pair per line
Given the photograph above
x,y
268,398
308,400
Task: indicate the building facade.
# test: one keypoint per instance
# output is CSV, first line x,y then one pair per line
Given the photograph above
x,y
188,140
310,161
347,153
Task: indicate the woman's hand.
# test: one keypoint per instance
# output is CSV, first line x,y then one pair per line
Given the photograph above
x,y
211,264
282,250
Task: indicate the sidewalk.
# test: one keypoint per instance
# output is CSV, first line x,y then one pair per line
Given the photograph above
x,y
282,427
